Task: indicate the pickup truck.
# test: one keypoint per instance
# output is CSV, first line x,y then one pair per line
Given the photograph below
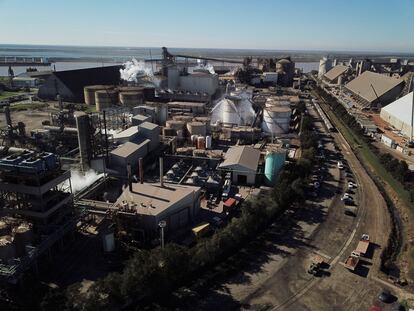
x,y
352,261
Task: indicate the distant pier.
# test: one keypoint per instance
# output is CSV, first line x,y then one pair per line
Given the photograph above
x,y
23,61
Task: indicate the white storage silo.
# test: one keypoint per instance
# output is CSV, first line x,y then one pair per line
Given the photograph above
x,y
276,119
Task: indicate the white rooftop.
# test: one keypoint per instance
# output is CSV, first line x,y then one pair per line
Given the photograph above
x,y
401,108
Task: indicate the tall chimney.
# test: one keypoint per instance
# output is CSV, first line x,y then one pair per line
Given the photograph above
x,y
161,172
141,171
129,176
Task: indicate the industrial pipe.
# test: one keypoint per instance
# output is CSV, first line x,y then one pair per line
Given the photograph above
x,y
141,171
161,172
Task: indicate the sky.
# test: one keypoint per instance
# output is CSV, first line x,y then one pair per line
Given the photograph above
x,y
329,25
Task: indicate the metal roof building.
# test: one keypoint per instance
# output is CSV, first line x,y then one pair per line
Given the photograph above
x,y
128,153
372,89
333,75
176,204
399,114
70,83
243,162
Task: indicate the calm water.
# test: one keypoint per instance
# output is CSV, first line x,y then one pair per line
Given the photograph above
x,y
72,57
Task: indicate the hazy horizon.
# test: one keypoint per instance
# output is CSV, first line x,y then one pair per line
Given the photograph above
x,y
318,25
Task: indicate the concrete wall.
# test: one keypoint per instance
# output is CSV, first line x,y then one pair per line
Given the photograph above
x,y
403,127
119,163
207,83
178,215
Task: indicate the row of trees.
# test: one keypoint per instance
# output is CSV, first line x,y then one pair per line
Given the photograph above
x,y
397,168
151,274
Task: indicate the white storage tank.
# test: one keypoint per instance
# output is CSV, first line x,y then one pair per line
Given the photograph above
x,y
208,142
276,119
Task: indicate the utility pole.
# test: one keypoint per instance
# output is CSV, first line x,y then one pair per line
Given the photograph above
x,y
162,224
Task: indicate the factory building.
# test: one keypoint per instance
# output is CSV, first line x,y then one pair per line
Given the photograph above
x,y
139,118
128,135
70,83
25,82
128,153
399,114
36,210
372,90
201,81
151,132
242,161
336,74
177,205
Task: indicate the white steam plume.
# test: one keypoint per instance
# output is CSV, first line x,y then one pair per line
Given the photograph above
x,y
135,69
80,181
206,66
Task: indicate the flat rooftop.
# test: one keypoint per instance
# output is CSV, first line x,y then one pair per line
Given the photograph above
x,y
152,199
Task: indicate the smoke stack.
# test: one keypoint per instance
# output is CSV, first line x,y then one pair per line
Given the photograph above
x,y
60,103
8,116
161,172
129,176
141,171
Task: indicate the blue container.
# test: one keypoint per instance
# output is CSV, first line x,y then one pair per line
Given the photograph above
x,y
274,161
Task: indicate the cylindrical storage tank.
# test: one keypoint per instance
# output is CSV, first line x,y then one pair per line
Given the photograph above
x,y
208,142
340,80
180,133
173,124
229,113
131,99
201,142
23,236
196,128
169,132
84,139
7,249
162,113
276,119
90,90
108,240
105,99
274,161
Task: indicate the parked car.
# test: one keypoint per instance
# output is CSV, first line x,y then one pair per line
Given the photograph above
x,y
385,296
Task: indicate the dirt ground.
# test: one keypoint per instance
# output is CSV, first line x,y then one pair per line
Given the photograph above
x,y
32,118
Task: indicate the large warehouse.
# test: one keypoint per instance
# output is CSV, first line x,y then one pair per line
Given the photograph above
x,y
399,114
333,75
70,83
372,90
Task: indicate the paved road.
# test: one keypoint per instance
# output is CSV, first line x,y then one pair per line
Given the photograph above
x,y
282,283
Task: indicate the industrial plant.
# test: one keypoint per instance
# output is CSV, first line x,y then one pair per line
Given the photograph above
x,y
164,145
166,150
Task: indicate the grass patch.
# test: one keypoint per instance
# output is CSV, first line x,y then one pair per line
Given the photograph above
x,y
28,106
7,94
